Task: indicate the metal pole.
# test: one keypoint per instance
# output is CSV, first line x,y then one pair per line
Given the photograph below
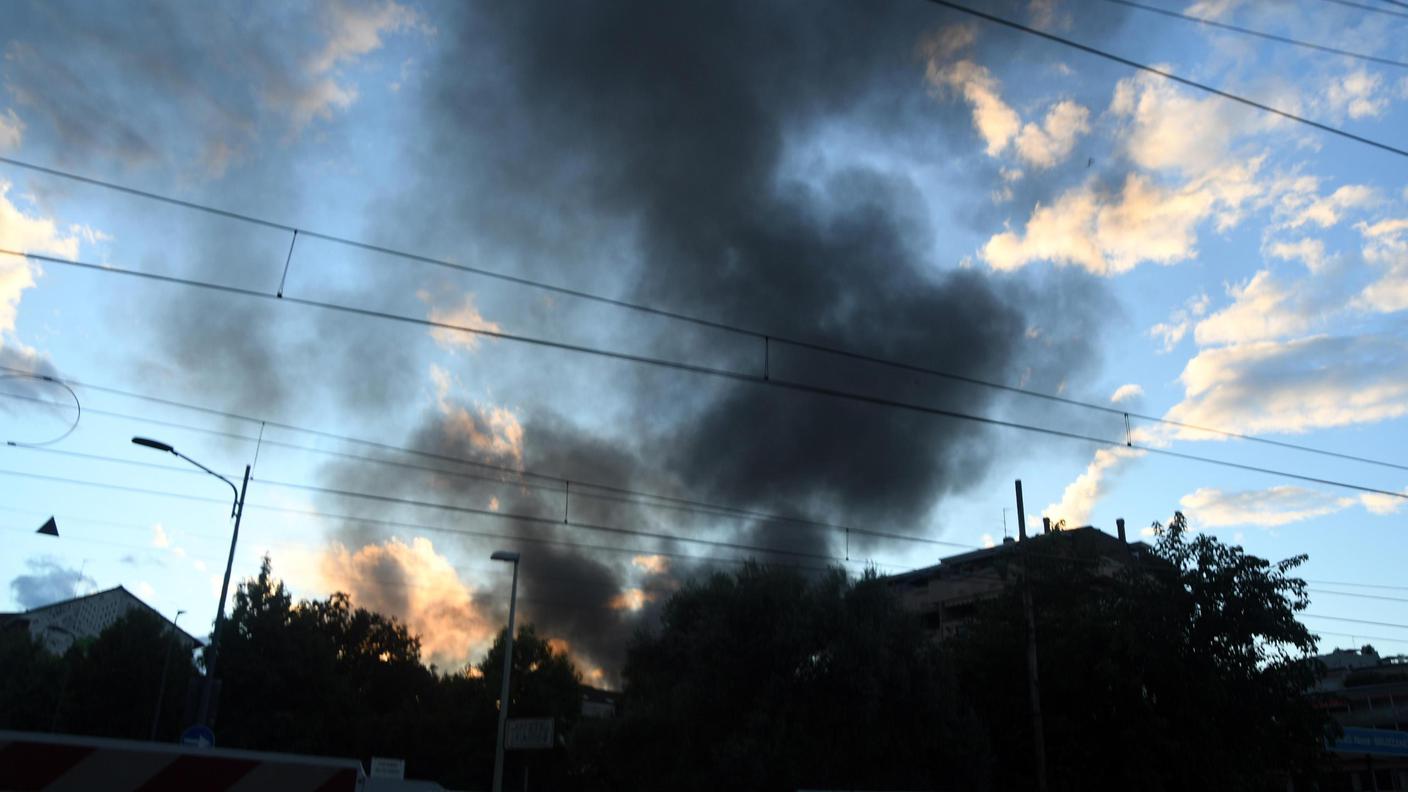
x,y
1033,683
503,690
208,692
165,665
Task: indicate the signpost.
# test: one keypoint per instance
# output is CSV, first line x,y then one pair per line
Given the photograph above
x,y
528,734
198,736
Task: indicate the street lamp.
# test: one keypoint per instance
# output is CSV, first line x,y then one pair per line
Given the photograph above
x,y
165,664
236,511
505,555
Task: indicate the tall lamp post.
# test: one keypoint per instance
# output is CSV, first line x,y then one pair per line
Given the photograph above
x,y
505,555
165,665
236,511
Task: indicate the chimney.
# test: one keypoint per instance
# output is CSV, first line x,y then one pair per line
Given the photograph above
x,y
1021,513
1119,527
1046,525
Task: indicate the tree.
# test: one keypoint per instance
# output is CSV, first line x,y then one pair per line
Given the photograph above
x,y
768,679
544,684
1187,669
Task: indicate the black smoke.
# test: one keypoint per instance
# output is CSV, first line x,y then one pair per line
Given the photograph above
x,y
556,130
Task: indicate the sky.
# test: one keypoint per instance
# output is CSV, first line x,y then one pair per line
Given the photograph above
x,y
898,180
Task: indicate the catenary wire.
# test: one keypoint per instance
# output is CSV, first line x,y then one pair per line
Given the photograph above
x,y
767,338
728,374
617,494
1133,64
1259,34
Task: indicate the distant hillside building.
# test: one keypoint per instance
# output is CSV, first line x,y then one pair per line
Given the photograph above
x,y
1368,695
947,594
58,625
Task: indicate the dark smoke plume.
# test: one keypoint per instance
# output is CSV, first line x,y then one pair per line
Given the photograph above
x,y
557,129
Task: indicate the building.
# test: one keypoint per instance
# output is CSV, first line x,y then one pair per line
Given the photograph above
x,y
1368,696
947,594
60,624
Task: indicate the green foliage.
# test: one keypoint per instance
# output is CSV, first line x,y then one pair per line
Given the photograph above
x,y
770,680
1186,670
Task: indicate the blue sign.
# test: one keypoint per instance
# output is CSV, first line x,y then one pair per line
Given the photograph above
x,y
1372,741
199,736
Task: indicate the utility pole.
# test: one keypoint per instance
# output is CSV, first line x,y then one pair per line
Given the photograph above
x,y
1033,683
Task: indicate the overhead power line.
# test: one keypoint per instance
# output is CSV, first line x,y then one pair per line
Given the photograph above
x,y
767,339
582,489
764,380
524,518
1259,34
1133,64
1356,621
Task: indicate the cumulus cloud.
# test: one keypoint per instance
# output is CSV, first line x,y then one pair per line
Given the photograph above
x,y
1383,505
1171,332
1296,385
465,314
1080,496
28,233
1325,211
1358,94
1108,234
1127,392
1268,508
1311,252
11,131
1040,145
1262,309
1045,145
416,584
1386,244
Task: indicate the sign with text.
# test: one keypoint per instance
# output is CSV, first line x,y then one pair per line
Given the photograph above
x,y
383,767
1372,741
528,734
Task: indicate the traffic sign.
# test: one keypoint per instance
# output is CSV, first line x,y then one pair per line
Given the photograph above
x,y
528,734
199,736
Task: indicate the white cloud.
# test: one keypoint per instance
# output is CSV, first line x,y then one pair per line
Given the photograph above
x,y
1262,309
353,31
1044,146
1080,496
1383,505
1126,393
1386,244
1309,251
1326,211
1359,94
1173,331
1039,145
11,131
159,537
1268,508
464,315
1295,386
1108,234
26,233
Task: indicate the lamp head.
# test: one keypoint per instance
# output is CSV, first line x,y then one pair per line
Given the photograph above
x,y
150,443
504,555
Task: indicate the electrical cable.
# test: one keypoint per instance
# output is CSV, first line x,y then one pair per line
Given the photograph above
x,y
78,406
1374,9
727,374
767,338
997,20
1260,34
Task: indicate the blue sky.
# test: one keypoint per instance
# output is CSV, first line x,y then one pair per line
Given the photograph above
x,y
1174,254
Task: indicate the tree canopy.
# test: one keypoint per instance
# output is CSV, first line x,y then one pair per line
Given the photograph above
x,y
1185,669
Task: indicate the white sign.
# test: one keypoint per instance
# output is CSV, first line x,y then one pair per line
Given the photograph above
x,y
528,733
388,768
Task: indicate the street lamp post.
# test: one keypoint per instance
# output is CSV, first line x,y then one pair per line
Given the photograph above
x,y
236,511
165,665
505,555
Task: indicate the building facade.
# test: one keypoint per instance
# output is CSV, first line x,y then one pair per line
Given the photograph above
x,y
59,625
